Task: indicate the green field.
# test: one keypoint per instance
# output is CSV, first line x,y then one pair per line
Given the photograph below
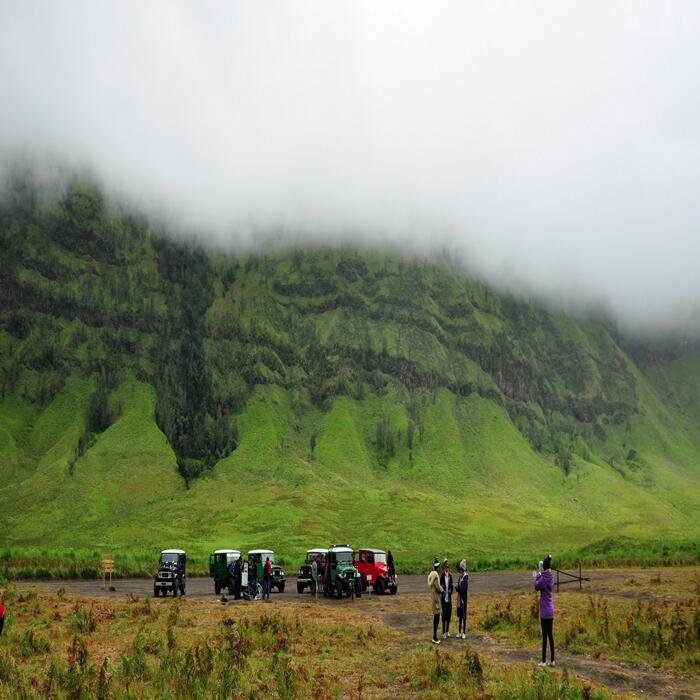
x,y
157,395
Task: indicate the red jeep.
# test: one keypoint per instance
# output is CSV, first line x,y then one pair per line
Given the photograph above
x,y
372,565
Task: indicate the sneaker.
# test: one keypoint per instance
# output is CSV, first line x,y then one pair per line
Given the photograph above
x,y
444,635
464,636
435,641
447,634
552,663
541,664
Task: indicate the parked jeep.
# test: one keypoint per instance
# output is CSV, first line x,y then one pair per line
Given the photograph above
x,y
171,574
342,578
219,563
373,567
304,577
278,578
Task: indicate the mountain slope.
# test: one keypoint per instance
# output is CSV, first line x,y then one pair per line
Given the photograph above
x,y
154,393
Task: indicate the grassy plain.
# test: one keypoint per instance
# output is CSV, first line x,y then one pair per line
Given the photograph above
x,y
641,633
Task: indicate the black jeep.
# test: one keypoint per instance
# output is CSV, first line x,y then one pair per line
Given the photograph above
x,y
171,574
304,577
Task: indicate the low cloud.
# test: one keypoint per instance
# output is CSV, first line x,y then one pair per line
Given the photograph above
x,y
553,147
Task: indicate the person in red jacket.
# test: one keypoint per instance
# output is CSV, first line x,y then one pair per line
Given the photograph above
x,y
267,578
2,615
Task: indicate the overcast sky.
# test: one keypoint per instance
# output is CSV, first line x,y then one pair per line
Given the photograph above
x,y
550,145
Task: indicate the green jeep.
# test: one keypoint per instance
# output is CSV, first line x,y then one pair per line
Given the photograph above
x,y
219,563
342,577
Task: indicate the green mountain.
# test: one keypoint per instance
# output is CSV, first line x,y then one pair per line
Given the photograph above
x,y
157,394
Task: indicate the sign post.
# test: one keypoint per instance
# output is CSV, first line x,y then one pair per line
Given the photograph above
x,y
107,567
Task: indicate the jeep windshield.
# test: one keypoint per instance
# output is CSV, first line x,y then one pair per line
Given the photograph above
x,y
379,558
169,558
343,557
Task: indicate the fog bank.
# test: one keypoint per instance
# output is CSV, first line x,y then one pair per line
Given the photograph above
x,y
550,146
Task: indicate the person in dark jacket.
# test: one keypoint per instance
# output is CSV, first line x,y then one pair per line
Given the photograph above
x,y
267,578
544,583
446,598
391,571
236,573
253,577
462,590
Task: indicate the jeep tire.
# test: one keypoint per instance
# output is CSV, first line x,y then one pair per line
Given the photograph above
x,y
379,586
175,590
300,587
280,587
156,592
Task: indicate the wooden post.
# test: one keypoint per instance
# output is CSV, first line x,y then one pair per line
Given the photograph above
x,y
580,580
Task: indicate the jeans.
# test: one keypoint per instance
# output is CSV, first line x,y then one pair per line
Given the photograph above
x,y
266,587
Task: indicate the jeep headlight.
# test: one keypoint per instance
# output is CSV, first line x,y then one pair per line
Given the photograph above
x,y
282,574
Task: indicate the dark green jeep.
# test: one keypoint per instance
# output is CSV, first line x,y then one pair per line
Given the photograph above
x,y
342,577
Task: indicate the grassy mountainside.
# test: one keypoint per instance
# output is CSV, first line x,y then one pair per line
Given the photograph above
x,y
154,394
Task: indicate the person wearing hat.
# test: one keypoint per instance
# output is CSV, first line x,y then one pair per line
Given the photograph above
x,y
462,589
446,598
435,593
544,583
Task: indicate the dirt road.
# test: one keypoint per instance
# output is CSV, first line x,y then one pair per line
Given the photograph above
x,y
602,581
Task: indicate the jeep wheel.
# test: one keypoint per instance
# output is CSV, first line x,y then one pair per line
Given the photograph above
x,y
339,589
217,587
182,589
175,590
280,587
358,589
156,592
379,586
393,590
300,587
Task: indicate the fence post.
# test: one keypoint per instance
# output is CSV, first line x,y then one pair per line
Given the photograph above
x,y
580,580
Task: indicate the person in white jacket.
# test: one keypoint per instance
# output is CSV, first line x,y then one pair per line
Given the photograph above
x,y
435,596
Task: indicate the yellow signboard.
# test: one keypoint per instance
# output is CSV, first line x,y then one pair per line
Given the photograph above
x,y
107,567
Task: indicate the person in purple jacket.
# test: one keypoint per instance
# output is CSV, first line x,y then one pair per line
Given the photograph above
x,y
544,583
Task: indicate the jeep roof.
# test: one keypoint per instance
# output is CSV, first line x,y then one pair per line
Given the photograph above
x,y
227,551
341,548
173,551
317,550
260,551
371,549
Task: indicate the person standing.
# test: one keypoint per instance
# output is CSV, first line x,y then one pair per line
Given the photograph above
x,y
267,578
314,577
2,614
435,595
544,583
446,600
391,571
237,579
462,590
253,577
